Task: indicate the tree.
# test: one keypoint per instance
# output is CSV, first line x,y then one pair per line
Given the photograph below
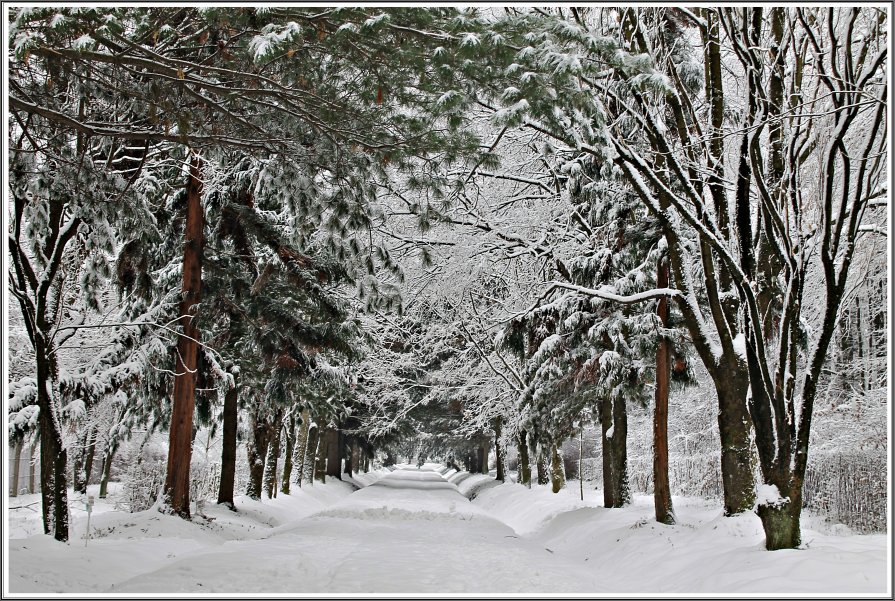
x,y
755,250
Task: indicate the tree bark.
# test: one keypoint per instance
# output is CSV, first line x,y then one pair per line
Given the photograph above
x,y
349,459
334,454
111,447
88,461
661,485
541,462
53,457
301,449
287,456
256,449
483,455
177,481
31,467
16,469
79,473
734,426
499,452
524,470
228,448
614,434
557,469
273,455
320,456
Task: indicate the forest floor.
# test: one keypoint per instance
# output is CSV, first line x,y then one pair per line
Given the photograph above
x,y
416,531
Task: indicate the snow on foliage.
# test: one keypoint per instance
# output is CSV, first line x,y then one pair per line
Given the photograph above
x,y
272,39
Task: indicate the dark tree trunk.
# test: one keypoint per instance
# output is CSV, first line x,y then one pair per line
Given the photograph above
x,y
736,445
482,457
228,449
273,456
499,453
301,447
661,486
614,435
53,457
543,477
356,458
287,456
557,469
524,476
334,454
177,481
111,447
79,473
311,453
349,459
31,465
320,456
256,450
16,469
88,461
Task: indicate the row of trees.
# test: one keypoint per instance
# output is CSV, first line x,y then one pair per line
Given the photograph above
x,y
732,161
623,192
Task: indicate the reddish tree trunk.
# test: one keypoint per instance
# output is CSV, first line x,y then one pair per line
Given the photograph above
x,y
177,481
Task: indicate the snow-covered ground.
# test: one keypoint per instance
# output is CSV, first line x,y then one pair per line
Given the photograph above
x,y
416,531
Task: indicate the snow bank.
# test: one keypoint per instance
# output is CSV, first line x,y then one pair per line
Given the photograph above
x,y
704,553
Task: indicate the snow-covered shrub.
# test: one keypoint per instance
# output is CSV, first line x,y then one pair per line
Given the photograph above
x,y
848,487
142,486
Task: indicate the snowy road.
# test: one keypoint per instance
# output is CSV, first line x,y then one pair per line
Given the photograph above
x,y
412,531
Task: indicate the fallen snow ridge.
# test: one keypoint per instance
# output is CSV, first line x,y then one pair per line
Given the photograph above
x,y
413,531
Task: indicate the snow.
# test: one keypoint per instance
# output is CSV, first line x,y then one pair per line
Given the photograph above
x,y
739,345
768,494
416,531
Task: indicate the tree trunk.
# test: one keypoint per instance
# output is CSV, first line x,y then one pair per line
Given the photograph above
x,y
80,475
524,474
177,481
88,461
16,469
781,524
111,447
736,445
356,458
541,462
483,456
273,456
349,459
557,469
334,454
287,456
256,449
53,457
581,461
320,456
661,485
301,448
311,454
614,434
31,466
228,449
499,452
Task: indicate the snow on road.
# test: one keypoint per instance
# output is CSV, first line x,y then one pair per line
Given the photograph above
x,y
410,532
415,531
